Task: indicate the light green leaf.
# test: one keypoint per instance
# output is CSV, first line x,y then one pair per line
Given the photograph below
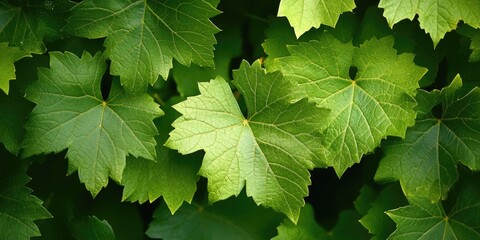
x,y
18,208
271,150
378,101
305,14
92,228
71,113
7,58
425,162
235,218
375,220
143,36
426,220
437,17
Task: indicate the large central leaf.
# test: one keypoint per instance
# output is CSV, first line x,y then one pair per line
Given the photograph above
x,y
71,113
144,35
271,150
366,108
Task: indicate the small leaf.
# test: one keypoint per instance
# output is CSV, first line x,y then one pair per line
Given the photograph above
x,y
18,208
92,228
144,36
377,102
172,176
271,150
425,162
375,220
426,220
235,218
305,14
437,17
71,113
26,24
307,228
14,110
7,58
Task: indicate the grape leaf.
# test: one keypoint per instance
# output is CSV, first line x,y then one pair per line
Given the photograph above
x,y
366,108
235,218
18,208
375,220
474,35
147,180
92,228
71,113
425,220
307,228
7,58
271,150
14,110
436,17
27,23
425,161
305,14
144,36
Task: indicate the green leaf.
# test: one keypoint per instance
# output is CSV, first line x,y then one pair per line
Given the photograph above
x,y
436,17
307,228
7,58
305,14
234,218
378,101
144,36
71,113
18,208
375,220
25,24
474,35
92,228
229,46
14,110
426,220
425,162
147,180
271,150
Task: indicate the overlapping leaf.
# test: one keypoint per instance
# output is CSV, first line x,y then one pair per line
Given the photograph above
x,y
305,14
235,218
375,220
143,36
308,229
27,23
18,208
7,57
172,176
271,150
71,113
425,162
425,220
437,17
92,228
376,103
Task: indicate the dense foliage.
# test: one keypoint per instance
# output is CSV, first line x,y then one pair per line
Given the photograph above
x,y
209,119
